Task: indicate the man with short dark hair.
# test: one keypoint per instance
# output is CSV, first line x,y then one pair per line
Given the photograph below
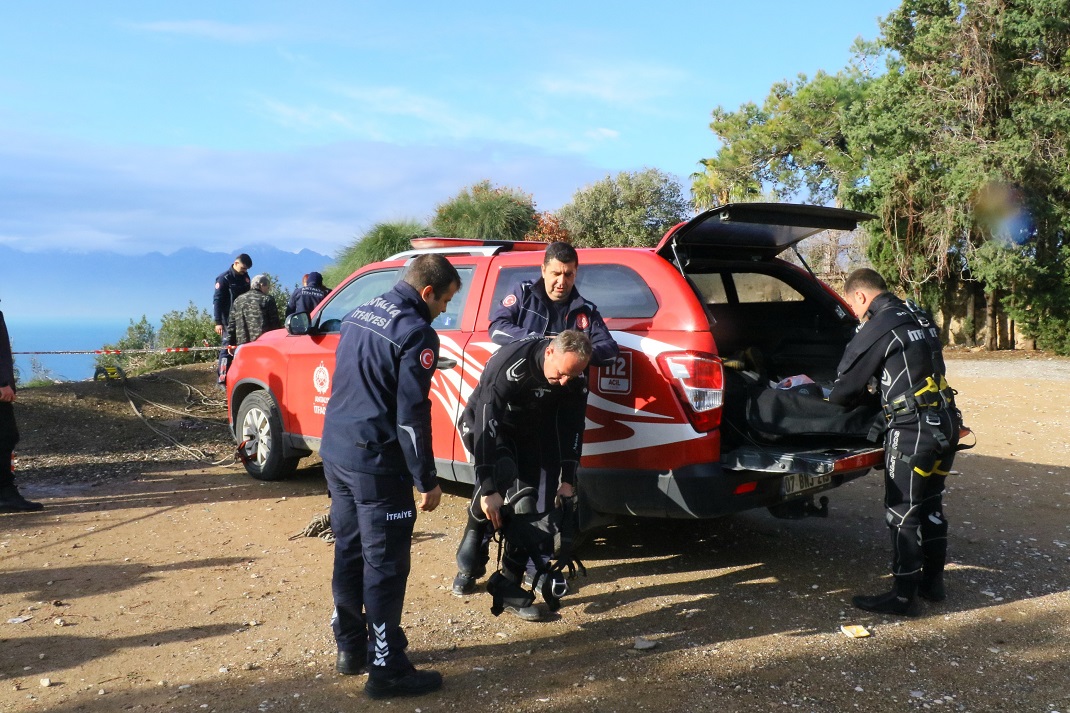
x,y
254,313
549,306
376,446
524,426
896,356
229,286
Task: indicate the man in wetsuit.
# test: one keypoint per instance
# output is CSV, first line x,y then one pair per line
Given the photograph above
x,y
524,427
896,356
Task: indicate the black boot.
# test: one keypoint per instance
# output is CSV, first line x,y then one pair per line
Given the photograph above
x,y
901,601
387,684
11,500
350,663
932,586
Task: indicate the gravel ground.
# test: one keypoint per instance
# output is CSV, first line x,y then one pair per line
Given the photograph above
x,y
155,581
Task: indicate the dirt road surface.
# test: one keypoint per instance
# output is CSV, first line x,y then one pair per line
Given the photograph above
x,y
152,581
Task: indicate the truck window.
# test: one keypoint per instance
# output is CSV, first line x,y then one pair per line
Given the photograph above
x,y
753,287
617,290
451,318
353,295
719,288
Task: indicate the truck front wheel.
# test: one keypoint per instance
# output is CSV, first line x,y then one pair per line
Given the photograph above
x,y
259,431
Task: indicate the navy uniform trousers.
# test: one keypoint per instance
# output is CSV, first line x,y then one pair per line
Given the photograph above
x,y
372,517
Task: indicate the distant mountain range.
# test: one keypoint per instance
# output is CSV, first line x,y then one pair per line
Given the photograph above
x,y
102,286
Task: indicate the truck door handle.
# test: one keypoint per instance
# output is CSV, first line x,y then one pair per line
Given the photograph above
x,y
446,363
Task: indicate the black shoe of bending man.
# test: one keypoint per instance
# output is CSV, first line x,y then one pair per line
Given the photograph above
x,y
932,588
350,663
528,613
11,500
388,684
463,584
892,602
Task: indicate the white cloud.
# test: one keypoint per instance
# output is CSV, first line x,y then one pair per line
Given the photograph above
x,y
603,134
72,196
625,84
211,30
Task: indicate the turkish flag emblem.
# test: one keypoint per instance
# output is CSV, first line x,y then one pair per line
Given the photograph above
x,y
427,358
582,321
509,301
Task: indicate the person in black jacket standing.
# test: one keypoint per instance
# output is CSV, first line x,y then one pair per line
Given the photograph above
x,y
376,446
896,356
11,499
524,426
229,286
549,306
306,297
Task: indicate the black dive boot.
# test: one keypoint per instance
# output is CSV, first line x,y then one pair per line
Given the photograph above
x,y
932,586
901,601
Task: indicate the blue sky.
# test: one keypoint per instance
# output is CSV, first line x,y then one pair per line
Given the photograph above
x,y
137,127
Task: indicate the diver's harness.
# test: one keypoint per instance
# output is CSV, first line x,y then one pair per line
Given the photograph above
x,y
924,405
921,406
527,532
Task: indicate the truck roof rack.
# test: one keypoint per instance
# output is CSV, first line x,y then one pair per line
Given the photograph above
x,y
467,246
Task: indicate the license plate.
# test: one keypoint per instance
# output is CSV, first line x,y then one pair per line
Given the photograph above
x,y
800,482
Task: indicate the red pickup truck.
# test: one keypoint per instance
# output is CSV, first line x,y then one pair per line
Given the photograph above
x,y
661,438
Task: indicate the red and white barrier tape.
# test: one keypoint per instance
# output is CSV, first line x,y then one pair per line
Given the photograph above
x,y
168,350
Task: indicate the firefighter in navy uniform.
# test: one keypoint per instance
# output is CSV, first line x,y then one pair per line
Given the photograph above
x,y
307,297
376,446
896,356
524,427
229,286
544,308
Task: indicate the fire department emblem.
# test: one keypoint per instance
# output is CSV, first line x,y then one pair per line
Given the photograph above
x,y
509,301
427,358
582,321
321,379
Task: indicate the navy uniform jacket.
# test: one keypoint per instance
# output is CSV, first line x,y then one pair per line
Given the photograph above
x,y
228,287
514,400
379,417
528,311
305,299
895,346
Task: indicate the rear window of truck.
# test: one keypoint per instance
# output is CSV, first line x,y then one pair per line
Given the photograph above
x,y
617,290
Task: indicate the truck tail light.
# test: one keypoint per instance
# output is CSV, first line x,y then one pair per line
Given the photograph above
x,y
698,379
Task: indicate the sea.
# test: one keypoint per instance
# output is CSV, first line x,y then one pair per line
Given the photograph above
x,y
60,336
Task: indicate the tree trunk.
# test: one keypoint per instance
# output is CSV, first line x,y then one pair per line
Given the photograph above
x,y
971,315
991,322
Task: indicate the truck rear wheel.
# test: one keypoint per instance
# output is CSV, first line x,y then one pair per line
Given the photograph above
x,y
259,432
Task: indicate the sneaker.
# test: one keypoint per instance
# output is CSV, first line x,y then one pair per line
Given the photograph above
x,y
11,500
528,613
350,663
932,589
463,584
889,603
404,683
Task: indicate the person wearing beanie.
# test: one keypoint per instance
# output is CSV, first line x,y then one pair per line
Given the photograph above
x,y
308,296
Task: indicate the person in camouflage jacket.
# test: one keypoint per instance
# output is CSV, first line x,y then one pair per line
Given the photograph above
x,y
253,313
